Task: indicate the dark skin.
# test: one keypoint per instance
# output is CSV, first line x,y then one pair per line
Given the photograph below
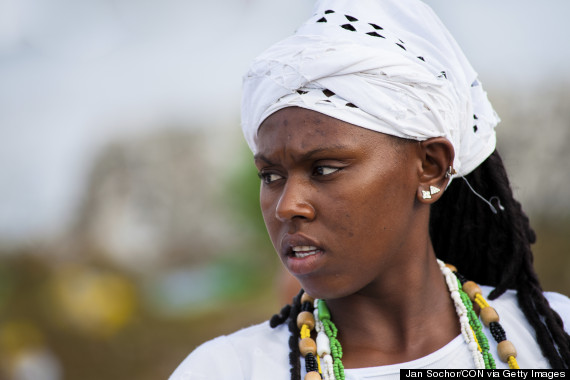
x,y
344,209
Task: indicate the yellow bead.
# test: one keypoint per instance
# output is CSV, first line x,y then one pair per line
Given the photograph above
x,y
307,345
506,349
312,376
513,363
305,332
481,301
306,318
488,315
471,289
307,298
451,267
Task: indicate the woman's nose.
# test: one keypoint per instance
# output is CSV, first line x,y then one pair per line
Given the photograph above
x,y
293,202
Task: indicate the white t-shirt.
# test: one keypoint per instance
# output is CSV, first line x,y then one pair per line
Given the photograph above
x,y
260,352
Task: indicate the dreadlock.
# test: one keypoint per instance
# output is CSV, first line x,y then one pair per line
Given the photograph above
x,y
290,312
494,249
491,249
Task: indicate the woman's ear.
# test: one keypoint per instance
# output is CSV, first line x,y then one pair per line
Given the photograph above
x,y
437,156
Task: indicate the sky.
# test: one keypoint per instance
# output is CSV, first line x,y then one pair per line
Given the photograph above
x,y
75,75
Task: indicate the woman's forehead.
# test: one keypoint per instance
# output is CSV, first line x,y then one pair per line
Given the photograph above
x,y
306,132
296,121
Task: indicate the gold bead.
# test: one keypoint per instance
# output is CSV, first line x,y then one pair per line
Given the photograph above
x,y
451,267
307,345
505,350
488,315
471,289
306,318
313,376
307,298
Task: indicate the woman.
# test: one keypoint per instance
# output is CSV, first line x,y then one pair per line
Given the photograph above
x,y
375,145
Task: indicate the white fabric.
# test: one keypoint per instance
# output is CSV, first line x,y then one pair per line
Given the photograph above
x,y
357,52
260,352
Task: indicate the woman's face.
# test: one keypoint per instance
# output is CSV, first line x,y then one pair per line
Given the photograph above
x,y
339,201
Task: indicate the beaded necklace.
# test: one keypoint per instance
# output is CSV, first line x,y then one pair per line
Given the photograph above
x,y
323,358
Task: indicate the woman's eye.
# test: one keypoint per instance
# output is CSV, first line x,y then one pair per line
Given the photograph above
x,y
324,170
268,178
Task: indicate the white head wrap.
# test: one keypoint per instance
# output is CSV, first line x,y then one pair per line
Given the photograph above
x,y
385,65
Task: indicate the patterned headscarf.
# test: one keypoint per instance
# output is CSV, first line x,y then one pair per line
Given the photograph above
x,y
385,65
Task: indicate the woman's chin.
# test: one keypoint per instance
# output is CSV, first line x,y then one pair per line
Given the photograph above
x,y
323,288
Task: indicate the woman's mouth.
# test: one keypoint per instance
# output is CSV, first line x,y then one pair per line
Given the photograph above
x,y
301,254
304,251
304,259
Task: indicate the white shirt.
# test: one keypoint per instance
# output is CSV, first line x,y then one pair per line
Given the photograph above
x,y
260,352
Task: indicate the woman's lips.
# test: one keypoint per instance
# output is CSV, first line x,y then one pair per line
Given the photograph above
x,y
301,255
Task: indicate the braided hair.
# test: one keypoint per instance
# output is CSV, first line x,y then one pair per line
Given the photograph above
x,y
494,249
290,312
489,248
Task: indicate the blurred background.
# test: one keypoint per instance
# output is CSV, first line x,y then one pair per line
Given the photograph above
x,y
129,224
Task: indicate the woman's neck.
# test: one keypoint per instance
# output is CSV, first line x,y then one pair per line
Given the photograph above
x,y
403,316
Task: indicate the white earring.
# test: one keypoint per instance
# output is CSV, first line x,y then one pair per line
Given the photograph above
x,y
434,190
426,194
450,171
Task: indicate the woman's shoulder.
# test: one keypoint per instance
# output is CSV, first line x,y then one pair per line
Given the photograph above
x,y
561,304
518,329
232,356
558,302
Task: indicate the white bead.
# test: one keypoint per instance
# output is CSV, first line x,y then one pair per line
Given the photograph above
x,y
319,327
478,359
478,363
452,279
466,331
318,323
461,310
323,344
327,366
331,374
451,283
481,363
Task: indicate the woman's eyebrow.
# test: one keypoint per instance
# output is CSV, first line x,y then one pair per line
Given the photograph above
x,y
261,157
325,150
334,149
